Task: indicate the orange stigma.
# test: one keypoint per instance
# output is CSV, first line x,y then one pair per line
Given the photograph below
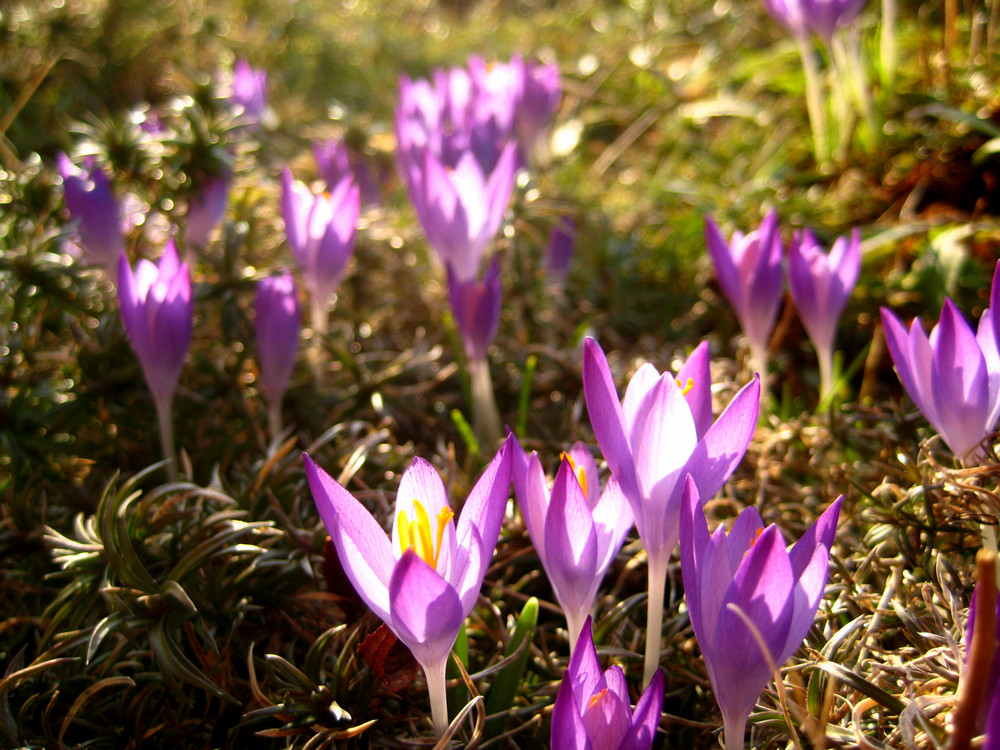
x,y
578,472
417,533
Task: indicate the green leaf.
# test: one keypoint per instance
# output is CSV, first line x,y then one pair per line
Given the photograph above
x,y
504,689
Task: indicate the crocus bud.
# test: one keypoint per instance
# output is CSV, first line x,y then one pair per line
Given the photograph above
x,y
320,230
278,321
92,204
751,600
748,268
157,310
592,709
821,284
476,306
206,209
249,91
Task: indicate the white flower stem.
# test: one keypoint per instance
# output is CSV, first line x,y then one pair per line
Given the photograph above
x,y
320,327
825,357
166,425
485,415
814,100
758,364
436,688
735,729
657,571
574,625
274,419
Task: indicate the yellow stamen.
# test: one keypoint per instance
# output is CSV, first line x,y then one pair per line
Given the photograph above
x,y
578,472
596,698
416,534
685,387
753,541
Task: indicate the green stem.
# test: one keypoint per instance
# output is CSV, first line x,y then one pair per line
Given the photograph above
x,y
887,44
814,100
657,570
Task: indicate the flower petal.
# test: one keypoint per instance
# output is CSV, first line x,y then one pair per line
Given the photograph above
x,y
426,611
363,547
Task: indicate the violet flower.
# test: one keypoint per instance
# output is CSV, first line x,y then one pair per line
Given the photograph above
x,y
461,209
93,206
249,91
207,209
743,578
576,528
748,268
425,580
977,710
658,434
821,284
592,709
953,376
335,161
821,17
320,229
157,310
476,306
559,252
279,318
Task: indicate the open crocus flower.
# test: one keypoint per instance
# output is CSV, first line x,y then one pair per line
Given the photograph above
x,y
576,528
953,376
91,202
659,433
425,580
748,268
821,284
743,578
592,709
157,311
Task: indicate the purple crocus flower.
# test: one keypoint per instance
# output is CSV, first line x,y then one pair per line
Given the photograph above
x,y
821,284
983,712
461,208
821,17
157,311
92,204
335,160
748,576
424,581
748,268
476,307
658,434
279,318
576,528
320,230
559,252
592,709
206,209
249,91
953,376
541,92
